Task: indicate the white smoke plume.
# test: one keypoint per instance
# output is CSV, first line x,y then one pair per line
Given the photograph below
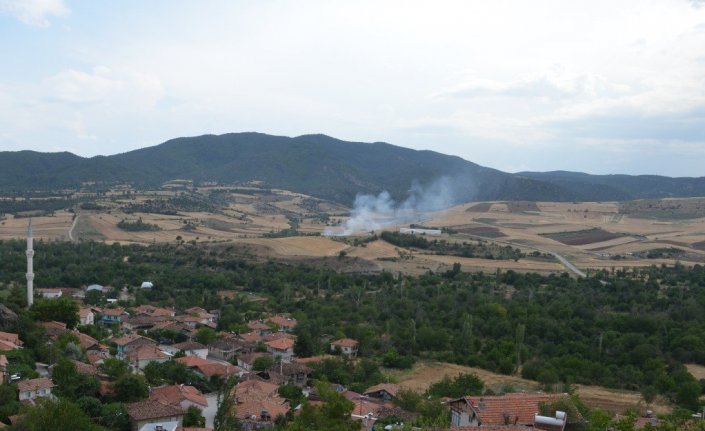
x,y
372,212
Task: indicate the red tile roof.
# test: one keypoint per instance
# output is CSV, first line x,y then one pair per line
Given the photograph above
x,y
281,344
391,388
283,322
217,369
250,409
131,338
10,338
86,341
175,394
251,336
87,369
256,325
114,312
34,384
256,390
278,336
150,409
6,345
190,345
345,342
192,361
516,408
144,353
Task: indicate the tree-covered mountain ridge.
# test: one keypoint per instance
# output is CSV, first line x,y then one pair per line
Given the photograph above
x,y
324,167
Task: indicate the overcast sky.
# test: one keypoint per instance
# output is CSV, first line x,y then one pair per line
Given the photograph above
x,y
594,86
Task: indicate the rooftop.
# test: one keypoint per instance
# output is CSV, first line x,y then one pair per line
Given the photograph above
x,y
150,409
345,342
34,384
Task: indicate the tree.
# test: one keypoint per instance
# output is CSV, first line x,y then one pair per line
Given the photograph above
x,y
8,402
262,363
519,338
60,309
292,393
334,414
70,383
114,368
61,415
206,335
130,388
114,416
225,419
194,418
460,386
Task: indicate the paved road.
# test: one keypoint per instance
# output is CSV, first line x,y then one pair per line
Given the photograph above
x,y
209,412
568,265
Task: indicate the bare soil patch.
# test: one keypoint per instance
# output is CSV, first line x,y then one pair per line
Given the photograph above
x,y
481,207
522,206
425,373
698,371
582,237
484,231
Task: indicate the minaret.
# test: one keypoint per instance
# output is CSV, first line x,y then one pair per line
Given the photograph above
x,y
30,269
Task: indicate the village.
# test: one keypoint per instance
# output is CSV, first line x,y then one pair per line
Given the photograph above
x,y
260,361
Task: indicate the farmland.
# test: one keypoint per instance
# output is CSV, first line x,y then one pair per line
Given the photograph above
x,y
284,225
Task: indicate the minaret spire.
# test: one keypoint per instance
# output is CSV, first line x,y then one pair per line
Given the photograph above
x,y
30,265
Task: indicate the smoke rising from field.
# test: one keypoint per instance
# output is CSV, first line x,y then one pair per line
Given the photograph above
x,y
372,212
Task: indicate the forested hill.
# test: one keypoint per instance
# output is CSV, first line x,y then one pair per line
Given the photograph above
x,y
320,166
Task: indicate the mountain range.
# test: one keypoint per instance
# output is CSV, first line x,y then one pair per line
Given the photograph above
x,y
325,167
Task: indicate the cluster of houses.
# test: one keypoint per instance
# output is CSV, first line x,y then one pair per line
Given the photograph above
x,y
137,342
256,394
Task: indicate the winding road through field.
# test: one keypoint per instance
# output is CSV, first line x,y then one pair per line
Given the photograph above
x,y
73,225
572,268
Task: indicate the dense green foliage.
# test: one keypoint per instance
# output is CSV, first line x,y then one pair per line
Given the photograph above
x,y
460,386
628,329
480,249
137,226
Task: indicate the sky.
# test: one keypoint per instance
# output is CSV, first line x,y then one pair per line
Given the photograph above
x,y
593,86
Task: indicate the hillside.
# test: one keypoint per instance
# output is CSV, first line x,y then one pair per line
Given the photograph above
x,y
324,167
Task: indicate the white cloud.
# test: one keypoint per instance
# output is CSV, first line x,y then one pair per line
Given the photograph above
x,y
34,12
102,85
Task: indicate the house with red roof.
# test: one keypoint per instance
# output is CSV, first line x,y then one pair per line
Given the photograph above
x,y
383,391
282,349
150,412
508,409
29,390
285,324
182,396
259,327
346,346
141,356
86,316
129,342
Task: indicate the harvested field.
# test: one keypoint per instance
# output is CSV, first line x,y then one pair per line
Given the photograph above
x,y
425,373
582,237
54,227
374,250
484,231
609,243
474,264
522,206
481,207
313,246
675,209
